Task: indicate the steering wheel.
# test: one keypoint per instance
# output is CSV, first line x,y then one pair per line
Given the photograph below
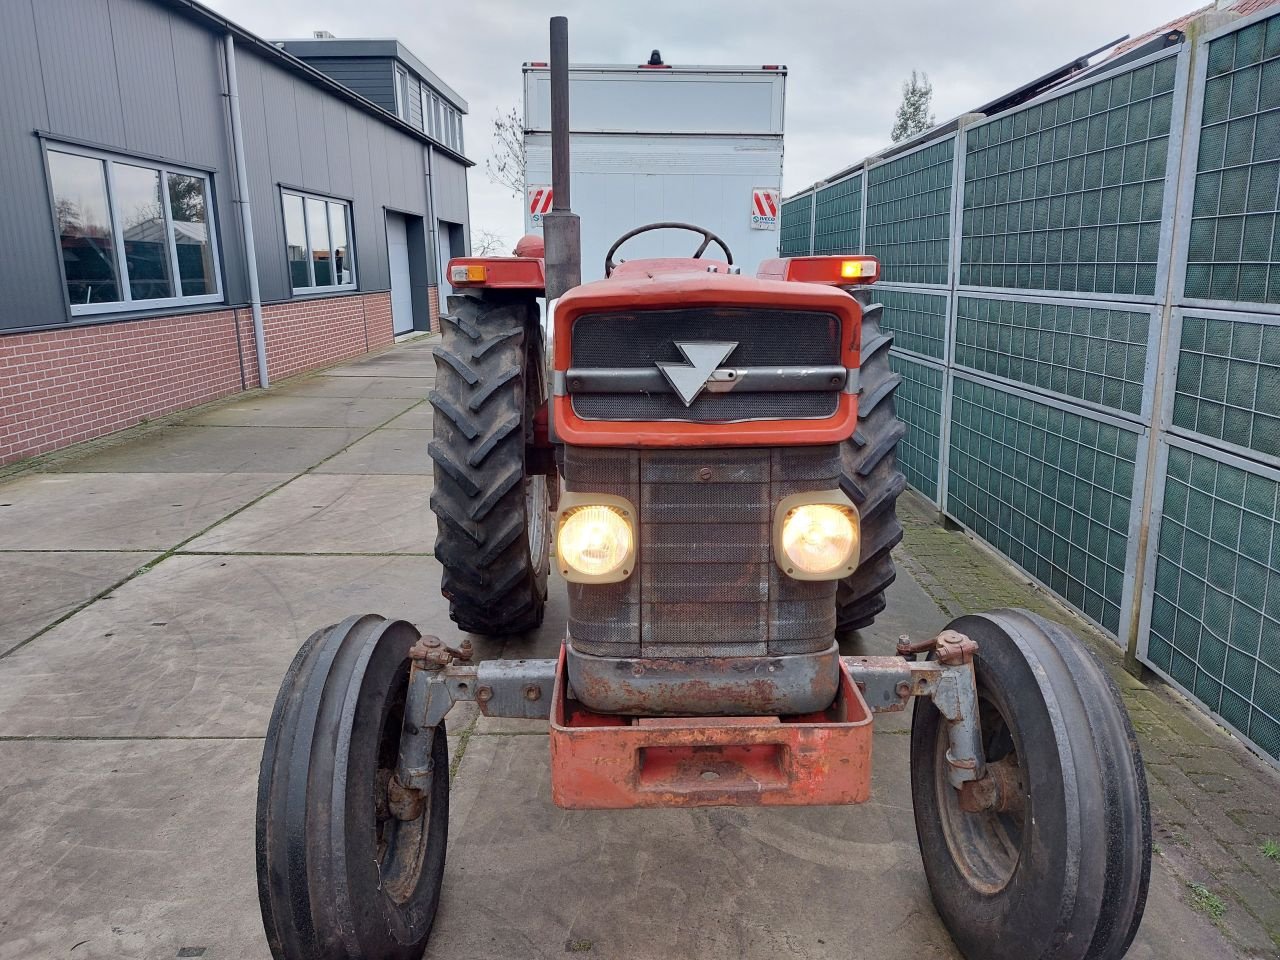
x,y
708,238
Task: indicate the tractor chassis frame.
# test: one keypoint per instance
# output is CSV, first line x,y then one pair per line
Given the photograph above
x,y
442,676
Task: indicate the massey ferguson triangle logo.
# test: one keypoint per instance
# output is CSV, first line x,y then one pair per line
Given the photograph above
x,y
690,378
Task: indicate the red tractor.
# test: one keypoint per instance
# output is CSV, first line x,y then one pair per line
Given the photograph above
x,y
713,457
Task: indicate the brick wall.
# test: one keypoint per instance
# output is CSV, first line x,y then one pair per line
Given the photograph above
x,y
59,387
433,302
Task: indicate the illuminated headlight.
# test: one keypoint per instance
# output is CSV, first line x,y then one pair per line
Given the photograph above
x,y
595,538
816,536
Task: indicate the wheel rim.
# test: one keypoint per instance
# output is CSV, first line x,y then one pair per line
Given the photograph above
x,y
536,507
400,845
986,845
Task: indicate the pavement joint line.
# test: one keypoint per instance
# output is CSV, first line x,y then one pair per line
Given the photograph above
x,y
508,733
174,550
4,550
464,738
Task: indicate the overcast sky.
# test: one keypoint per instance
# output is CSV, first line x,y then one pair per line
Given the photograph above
x,y
846,60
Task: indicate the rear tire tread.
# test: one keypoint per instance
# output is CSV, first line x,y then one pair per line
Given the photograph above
x,y
871,478
493,584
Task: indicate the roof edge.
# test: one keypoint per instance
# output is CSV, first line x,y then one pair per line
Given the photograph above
x,y
301,68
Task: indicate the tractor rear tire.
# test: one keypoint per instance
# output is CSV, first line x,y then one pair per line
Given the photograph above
x,y
871,478
1058,867
491,515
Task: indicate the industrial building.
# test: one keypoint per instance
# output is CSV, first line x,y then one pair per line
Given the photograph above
x,y
190,210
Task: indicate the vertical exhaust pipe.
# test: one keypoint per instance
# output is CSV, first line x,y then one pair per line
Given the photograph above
x,y
561,231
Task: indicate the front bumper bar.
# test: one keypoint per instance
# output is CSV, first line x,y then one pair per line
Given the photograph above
x,y
613,761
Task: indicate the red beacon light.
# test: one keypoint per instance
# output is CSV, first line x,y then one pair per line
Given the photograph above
x,y
834,271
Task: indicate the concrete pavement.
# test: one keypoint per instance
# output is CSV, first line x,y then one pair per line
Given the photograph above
x,y
156,586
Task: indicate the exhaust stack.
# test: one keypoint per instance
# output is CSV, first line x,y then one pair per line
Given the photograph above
x,y
561,231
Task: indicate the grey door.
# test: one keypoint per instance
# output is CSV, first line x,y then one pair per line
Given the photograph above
x,y
401,288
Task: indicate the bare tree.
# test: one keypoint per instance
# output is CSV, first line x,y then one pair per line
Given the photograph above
x,y
486,243
506,166
913,113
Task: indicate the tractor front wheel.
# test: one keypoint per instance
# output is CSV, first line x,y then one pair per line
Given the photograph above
x,y
349,863
1052,856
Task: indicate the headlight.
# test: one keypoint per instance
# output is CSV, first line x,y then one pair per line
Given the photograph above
x,y
595,541
816,536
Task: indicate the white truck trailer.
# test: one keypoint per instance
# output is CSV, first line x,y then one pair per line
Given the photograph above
x,y
655,142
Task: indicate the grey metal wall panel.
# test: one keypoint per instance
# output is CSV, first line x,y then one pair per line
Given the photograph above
x,y
28,250
373,231
78,65
363,212
312,142
338,154
451,189
148,77
372,78
284,152
202,113
264,198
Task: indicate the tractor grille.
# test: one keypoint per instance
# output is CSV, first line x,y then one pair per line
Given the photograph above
x,y
766,338
706,584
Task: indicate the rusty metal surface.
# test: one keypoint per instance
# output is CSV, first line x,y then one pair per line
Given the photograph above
x,y
705,686
609,762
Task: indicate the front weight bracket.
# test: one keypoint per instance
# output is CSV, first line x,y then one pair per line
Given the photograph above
x,y
439,677
887,683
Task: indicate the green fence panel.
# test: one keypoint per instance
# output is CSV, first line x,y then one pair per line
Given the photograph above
x,y
1049,488
917,320
793,230
1228,381
1232,251
837,225
1090,353
918,403
1215,610
909,215
1068,194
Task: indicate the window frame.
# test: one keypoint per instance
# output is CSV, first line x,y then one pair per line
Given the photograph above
x,y
127,304
402,93
353,257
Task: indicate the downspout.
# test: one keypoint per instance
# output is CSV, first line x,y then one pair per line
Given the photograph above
x,y
433,225
246,218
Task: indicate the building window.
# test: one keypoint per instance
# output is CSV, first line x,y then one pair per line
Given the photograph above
x,y
428,119
402,95
317,234
134,235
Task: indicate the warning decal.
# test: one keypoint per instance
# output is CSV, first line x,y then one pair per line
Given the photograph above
x,y
764,209
539,202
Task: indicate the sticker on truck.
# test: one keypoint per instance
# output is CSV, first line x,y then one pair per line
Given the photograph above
x,y
764,209
539,202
